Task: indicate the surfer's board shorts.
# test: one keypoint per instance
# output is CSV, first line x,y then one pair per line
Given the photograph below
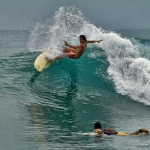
x,y
71,53
70,49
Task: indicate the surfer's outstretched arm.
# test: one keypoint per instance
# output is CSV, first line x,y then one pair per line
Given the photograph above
x,y
94,41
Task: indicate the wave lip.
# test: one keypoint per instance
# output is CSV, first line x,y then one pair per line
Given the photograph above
x,y
133,79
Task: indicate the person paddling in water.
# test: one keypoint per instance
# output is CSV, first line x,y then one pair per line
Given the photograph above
x,y
75,52
99,130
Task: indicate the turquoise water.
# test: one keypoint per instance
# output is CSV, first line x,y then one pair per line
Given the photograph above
x,y
53,109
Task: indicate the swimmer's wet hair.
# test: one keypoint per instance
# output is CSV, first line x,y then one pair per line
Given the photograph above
x,y
97,125
83,37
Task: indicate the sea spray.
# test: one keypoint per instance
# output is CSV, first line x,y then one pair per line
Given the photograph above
x,y
127,69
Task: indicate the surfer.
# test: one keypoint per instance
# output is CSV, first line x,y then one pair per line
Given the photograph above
x,y
98,129
75,52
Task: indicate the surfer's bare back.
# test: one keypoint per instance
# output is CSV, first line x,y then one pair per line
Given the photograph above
x,y
75,52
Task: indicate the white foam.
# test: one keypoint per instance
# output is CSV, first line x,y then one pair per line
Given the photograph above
x,y
89,133
129,72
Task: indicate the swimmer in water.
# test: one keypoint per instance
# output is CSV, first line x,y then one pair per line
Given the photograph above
x,y
75,52
98,129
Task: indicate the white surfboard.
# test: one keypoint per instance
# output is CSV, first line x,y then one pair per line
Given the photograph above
x,y
41,63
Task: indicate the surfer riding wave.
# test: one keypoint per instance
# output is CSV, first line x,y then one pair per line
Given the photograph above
x,y
75,52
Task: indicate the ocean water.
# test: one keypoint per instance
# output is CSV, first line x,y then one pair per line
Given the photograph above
x,y
56,109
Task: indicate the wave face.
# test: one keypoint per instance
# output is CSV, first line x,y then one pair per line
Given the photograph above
x,y
129,65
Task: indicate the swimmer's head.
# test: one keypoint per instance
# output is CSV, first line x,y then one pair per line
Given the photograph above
x,y
97,125
82,38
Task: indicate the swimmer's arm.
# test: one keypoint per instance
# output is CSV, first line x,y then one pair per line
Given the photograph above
x,y
98,131
111,130
72,46
94,41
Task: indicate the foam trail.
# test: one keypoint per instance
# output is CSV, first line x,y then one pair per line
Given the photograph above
x,y
128,70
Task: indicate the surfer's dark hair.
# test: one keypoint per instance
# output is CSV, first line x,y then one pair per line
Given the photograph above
x,y
97,125
83,37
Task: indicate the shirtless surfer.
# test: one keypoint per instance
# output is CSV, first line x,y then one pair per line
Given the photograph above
x,y
75,52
